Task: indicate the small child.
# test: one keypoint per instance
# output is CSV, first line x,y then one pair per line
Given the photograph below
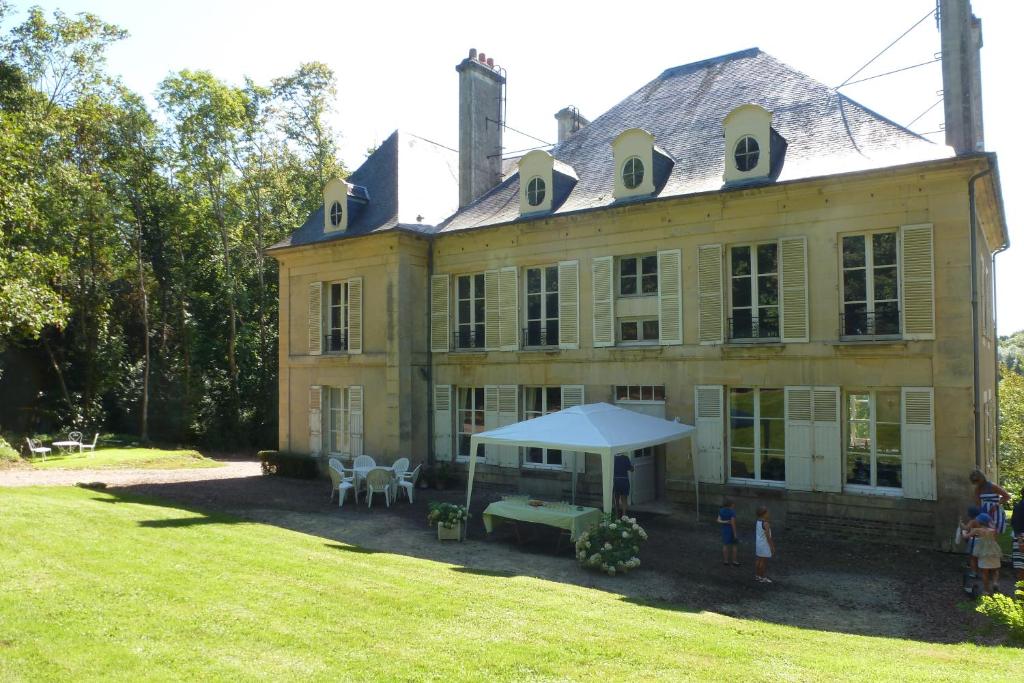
x,y
764,544
965,534
987,550
727,525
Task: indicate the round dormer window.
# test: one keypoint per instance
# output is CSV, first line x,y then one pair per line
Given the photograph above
x,y
536,189
747,153
336,214
632,173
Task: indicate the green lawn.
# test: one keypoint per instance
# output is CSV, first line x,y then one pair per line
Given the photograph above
x,y
92,586
120,458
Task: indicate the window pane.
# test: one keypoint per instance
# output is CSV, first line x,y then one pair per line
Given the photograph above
x,y
552,305
860,406
335,318
860,437
552,278
534,455
634,393
767,258
646,393
888,439
854,285
741,260
464,286
627,266
464,308
768,289
533,400
478,284
533,280
855,319
858,469
650,329
773,403
629,331
533,329
885,284
741,464
742,326
552,330
463,444
741,291
853,251
659,392
742,432
627,285
649,265
650,284
884,248
890,472
554,457
773,467
336,293
554,396
887,406
478,311
773,435
533,306
768,322
887,318
621,393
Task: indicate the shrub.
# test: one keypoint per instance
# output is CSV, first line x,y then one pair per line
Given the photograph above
x,y
612,546
7,452
446,514
295,465
1006,610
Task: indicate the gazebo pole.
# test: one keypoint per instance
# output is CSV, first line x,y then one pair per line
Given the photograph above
x,y
472,470
607,472
574,454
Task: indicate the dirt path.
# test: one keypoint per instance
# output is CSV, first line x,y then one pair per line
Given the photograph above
x,y
231,469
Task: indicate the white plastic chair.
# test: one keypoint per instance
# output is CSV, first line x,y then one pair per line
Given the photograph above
x,y
379,480
76,437
408,482
364,461
400,467
341,482
89,446
35,447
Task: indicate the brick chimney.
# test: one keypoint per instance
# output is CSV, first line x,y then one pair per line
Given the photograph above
x,y
481,105
569,121
961,76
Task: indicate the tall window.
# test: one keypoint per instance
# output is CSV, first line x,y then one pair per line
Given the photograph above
x,y
470,328
542,306
757,434
638,275
337,317
337,420
873,443
755,291
539,401
870,285
470,417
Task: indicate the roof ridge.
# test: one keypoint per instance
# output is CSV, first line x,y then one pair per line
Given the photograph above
x,y
694,66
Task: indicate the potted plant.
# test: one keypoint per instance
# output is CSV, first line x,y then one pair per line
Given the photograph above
x,y
612,546
441,476
450,520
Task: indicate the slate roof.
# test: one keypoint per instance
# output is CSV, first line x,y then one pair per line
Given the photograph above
x,y
827,133
412,185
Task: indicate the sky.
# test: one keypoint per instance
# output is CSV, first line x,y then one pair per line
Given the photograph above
x,y
395,63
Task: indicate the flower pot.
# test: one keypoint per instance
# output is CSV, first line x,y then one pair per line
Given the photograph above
x,y
453,534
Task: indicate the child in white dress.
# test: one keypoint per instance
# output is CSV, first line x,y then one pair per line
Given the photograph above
x,y
764,545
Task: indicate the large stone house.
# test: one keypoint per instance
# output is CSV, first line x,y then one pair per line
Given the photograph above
x,y
734,244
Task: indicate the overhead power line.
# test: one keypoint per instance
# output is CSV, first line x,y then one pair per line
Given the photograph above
x,y
515,130
918,117
890,73
886,49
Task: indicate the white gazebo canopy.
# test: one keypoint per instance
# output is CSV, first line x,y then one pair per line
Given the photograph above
x,y
592,428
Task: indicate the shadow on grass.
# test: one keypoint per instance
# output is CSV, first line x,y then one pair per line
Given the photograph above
x,y
822,584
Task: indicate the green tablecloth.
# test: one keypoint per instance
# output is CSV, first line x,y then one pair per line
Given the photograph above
x,y
559,515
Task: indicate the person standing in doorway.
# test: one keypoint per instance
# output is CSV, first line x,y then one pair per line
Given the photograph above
x,y
620,483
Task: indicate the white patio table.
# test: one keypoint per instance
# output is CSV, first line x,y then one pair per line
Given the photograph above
x,y
67,446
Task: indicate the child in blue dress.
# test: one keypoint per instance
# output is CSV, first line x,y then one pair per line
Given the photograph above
x,y
727,525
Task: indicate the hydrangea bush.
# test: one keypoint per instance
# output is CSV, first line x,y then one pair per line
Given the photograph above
x,y
1006,610
446,514
612,546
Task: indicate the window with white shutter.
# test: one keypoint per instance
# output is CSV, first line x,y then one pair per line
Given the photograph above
x,y
918,286
709,462
315,420
754,291
870,285
508,301
757,435
501,408
355,420
443,422
355,314
918,437
799,439
542,306
470,417
709,293
539,401
439,294
603,300
574,395
874,441
794,315
569,304
485,332
670,297
315,318
813,439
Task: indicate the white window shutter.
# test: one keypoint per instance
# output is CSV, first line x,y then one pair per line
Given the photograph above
x,y
568,304
602,274
316,318
355,420
573,395
917,437
440,291
492,310
508,302
828,439
709,294
491,421
799,439
670,297
316,444
355,315
917,281
709,458
508,413
793,276
443,422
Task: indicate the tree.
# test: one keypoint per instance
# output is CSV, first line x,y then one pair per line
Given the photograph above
x,y
1011,429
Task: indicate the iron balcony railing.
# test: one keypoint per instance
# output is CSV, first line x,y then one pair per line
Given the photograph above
x,y
467,339
336,342
753,328
534,337
863,324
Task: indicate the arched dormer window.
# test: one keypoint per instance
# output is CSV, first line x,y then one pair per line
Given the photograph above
x,y
336,205
544,182
641,167
754,151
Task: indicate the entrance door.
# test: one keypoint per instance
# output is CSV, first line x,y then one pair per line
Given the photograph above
x,y
643,488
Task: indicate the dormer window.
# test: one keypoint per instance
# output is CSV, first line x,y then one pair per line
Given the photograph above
x,y
336,205
633,173
336,214
536,190
747,153
544,182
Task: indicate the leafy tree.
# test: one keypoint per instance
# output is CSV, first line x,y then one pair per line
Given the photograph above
x,y
1011,429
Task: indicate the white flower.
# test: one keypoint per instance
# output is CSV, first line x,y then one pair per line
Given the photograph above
x,y
611,571
625,534
612,526
587,544
607,546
